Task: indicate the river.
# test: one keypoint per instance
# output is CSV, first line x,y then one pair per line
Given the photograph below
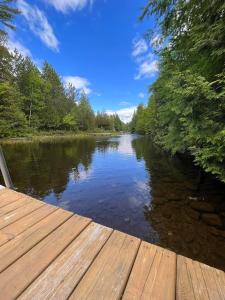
x,y
128,184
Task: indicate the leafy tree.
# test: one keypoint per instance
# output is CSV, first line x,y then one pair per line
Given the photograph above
x,y
55,99
118,124
5,62
104,121
70,120
32,86
12,119
85,114
186,112
33,99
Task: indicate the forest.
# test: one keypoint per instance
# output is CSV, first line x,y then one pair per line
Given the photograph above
x,y
186,108
36,100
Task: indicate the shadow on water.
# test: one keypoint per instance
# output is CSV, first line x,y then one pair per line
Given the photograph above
x,y
127,183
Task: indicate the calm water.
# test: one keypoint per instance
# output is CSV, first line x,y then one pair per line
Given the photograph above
x,y
126,183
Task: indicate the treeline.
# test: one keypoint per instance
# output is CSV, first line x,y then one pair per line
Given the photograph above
x,y
33,100
186,109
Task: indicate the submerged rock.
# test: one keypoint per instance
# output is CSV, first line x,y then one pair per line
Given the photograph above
x,y
202,206
217,232
127,220
212,220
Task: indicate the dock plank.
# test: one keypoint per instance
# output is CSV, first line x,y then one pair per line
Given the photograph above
x,y
20,212
3,238
61,277
107,276
153,275
12,230
2,189
49,253
184,288
220,281
15,248
213,289
26,269
5,199
8,196
13,206
192,270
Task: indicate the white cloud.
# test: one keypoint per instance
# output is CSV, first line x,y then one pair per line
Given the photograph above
x,y
125,114
124,103
66,5
38,24
80,83
145,59
13,44
155,41
139,47
125,146
141,95
147,68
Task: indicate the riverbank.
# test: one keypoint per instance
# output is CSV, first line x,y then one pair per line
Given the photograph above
x,y
44,136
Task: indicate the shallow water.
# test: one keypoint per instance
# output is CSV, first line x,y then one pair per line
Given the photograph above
x,y
125,182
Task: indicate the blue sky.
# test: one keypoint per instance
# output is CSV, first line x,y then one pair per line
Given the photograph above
x,y
97,45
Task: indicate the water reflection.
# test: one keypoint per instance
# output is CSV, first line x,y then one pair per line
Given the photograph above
x,y
182,207
128,184
41,168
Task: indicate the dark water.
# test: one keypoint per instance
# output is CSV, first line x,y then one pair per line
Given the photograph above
x,y
127,183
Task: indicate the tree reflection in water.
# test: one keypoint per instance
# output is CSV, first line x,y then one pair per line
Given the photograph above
x,y
127,183
181,208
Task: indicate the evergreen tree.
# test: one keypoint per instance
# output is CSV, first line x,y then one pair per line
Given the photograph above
x,y
12,119
5,61
31,86
104,121
7,14
55,100
85,114
118,124
186,112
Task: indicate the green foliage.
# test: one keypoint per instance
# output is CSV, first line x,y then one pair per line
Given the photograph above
x,y
12,119
109,122
186,111
5,62
31,85
56,101
70,120
85,114
32,100
7,14
104,121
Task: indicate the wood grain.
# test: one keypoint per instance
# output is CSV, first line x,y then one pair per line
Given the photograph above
x,y
20,212
153,275
15,248
107,276
49,253
19,275
12,230
60,278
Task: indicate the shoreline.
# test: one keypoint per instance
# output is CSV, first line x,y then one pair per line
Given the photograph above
x,y
46,136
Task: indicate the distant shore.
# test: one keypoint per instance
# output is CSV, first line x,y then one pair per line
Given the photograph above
x,y
44,136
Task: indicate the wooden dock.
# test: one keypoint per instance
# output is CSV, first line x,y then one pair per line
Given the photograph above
x,y
49,253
